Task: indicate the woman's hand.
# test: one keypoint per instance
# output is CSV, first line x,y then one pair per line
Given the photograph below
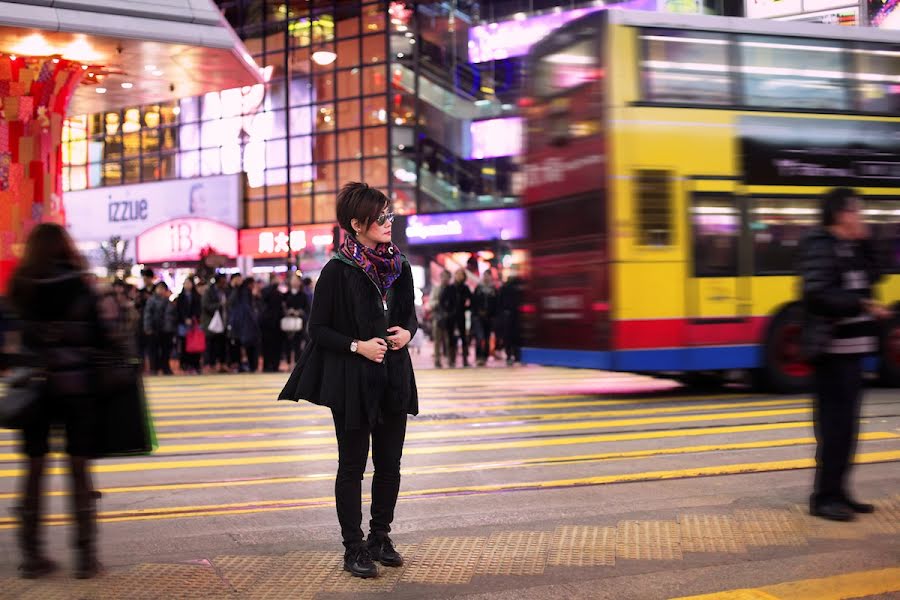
x,y
399,337
373,349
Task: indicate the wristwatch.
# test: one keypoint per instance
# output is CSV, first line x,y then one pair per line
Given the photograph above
x,y
354,346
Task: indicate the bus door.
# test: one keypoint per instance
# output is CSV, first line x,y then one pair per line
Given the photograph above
x,y
719,286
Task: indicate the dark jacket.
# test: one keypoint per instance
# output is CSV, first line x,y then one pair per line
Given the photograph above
x,y
347,307
188,306
823,297
297,303
61,325
243,318
484,303
213,300
455,301
155,314
273,307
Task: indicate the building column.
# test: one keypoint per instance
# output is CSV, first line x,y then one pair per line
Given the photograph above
x,y
34,97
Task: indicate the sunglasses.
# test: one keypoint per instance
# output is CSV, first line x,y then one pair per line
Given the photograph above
x,y
383,218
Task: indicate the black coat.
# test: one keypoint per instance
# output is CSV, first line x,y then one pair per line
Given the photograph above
x,y
188,305
347,307
273,308
823,296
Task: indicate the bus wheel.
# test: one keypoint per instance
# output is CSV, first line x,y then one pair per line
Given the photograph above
x,y
784,370
890,351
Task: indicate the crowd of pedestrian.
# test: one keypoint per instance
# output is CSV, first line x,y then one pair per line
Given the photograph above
x,y
489,314
230,324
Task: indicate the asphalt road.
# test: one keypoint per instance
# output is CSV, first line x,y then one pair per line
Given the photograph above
x,y
517,483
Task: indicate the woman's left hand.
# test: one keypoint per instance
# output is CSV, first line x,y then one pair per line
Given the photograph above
x,y
399,337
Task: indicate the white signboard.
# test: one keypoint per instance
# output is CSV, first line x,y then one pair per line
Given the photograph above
x,y
184,239
810,5
129,210
762,9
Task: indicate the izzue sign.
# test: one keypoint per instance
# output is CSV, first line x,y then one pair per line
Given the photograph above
x,y
796,151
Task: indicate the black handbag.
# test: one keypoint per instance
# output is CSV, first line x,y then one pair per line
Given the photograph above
x,y
22,391
124,423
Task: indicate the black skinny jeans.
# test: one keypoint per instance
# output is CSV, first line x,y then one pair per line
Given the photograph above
x,y
353,453
838,386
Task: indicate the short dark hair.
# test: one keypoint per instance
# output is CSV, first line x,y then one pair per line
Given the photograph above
x,y
147,273
361,202
234,276
835,201
162,285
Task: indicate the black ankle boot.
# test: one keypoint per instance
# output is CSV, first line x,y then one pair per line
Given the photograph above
x,y
34,563
381,547
87,566
358,562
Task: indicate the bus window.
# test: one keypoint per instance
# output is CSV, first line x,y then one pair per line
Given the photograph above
x,y
685,66
716,225
778,227
567,68
877,79
800,73
654,207
883,217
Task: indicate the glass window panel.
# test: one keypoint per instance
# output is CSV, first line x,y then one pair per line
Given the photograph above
x,y
168,166
348,114
326,177
211,107
877,78
276,211
375,79
301,150
375,141
77,178
150,140
150,117
793,73
150,167
276,177
210,162
324,147
256,213
716,223
324,87
301,209
654,207
132,171
375,172
375,111
348,27
211,134
169,112
349,144
883,217
95,175
325,117
680,66
112,173
132,143
275,95
348,83
350,170
373,48
189,136
276,153
303,120
189,164
347,53
325,207
374,18
778,227
189,109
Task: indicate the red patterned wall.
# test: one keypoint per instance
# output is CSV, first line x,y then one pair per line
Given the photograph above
x,y
34,96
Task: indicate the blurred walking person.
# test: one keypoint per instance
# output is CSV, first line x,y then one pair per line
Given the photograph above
x,y
61,326
296,306
143,296
234,346
244,324
188,307
484,312
270,323
439,316
214,320
159,328
839,268
459,299
510,303
363,317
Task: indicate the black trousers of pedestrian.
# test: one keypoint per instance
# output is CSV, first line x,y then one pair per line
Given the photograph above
x,y
483,332
159,350
838,387
293,347
456,328
216,349
252,353
353,452
272,342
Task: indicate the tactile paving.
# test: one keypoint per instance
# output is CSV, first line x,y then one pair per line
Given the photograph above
x,y
160,580
387,580
298,575
710,533
14,587
771,527
445,560
582,546
242,572
885,519
648,540
514,553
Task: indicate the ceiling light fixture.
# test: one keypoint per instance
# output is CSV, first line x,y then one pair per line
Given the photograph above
x,y
101,90
127,85
324,57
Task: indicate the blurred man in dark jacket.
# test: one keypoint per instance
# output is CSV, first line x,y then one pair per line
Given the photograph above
x,y
839,268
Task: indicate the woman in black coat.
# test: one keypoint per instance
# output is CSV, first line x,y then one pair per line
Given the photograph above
x,y
62,327
358,365
244,322
188,307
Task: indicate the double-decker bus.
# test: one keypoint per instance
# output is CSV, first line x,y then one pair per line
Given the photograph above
x,y
674,163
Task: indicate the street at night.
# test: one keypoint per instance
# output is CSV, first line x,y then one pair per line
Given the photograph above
x,y
525,482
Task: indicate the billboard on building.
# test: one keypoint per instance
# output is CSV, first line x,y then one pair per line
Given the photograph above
x,y
474,226
884,13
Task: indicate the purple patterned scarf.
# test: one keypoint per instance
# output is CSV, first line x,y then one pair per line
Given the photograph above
x,y
383,264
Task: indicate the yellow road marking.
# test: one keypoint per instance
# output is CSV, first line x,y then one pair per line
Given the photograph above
x,y
836,587
146,464
494,465
177,512
270,444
